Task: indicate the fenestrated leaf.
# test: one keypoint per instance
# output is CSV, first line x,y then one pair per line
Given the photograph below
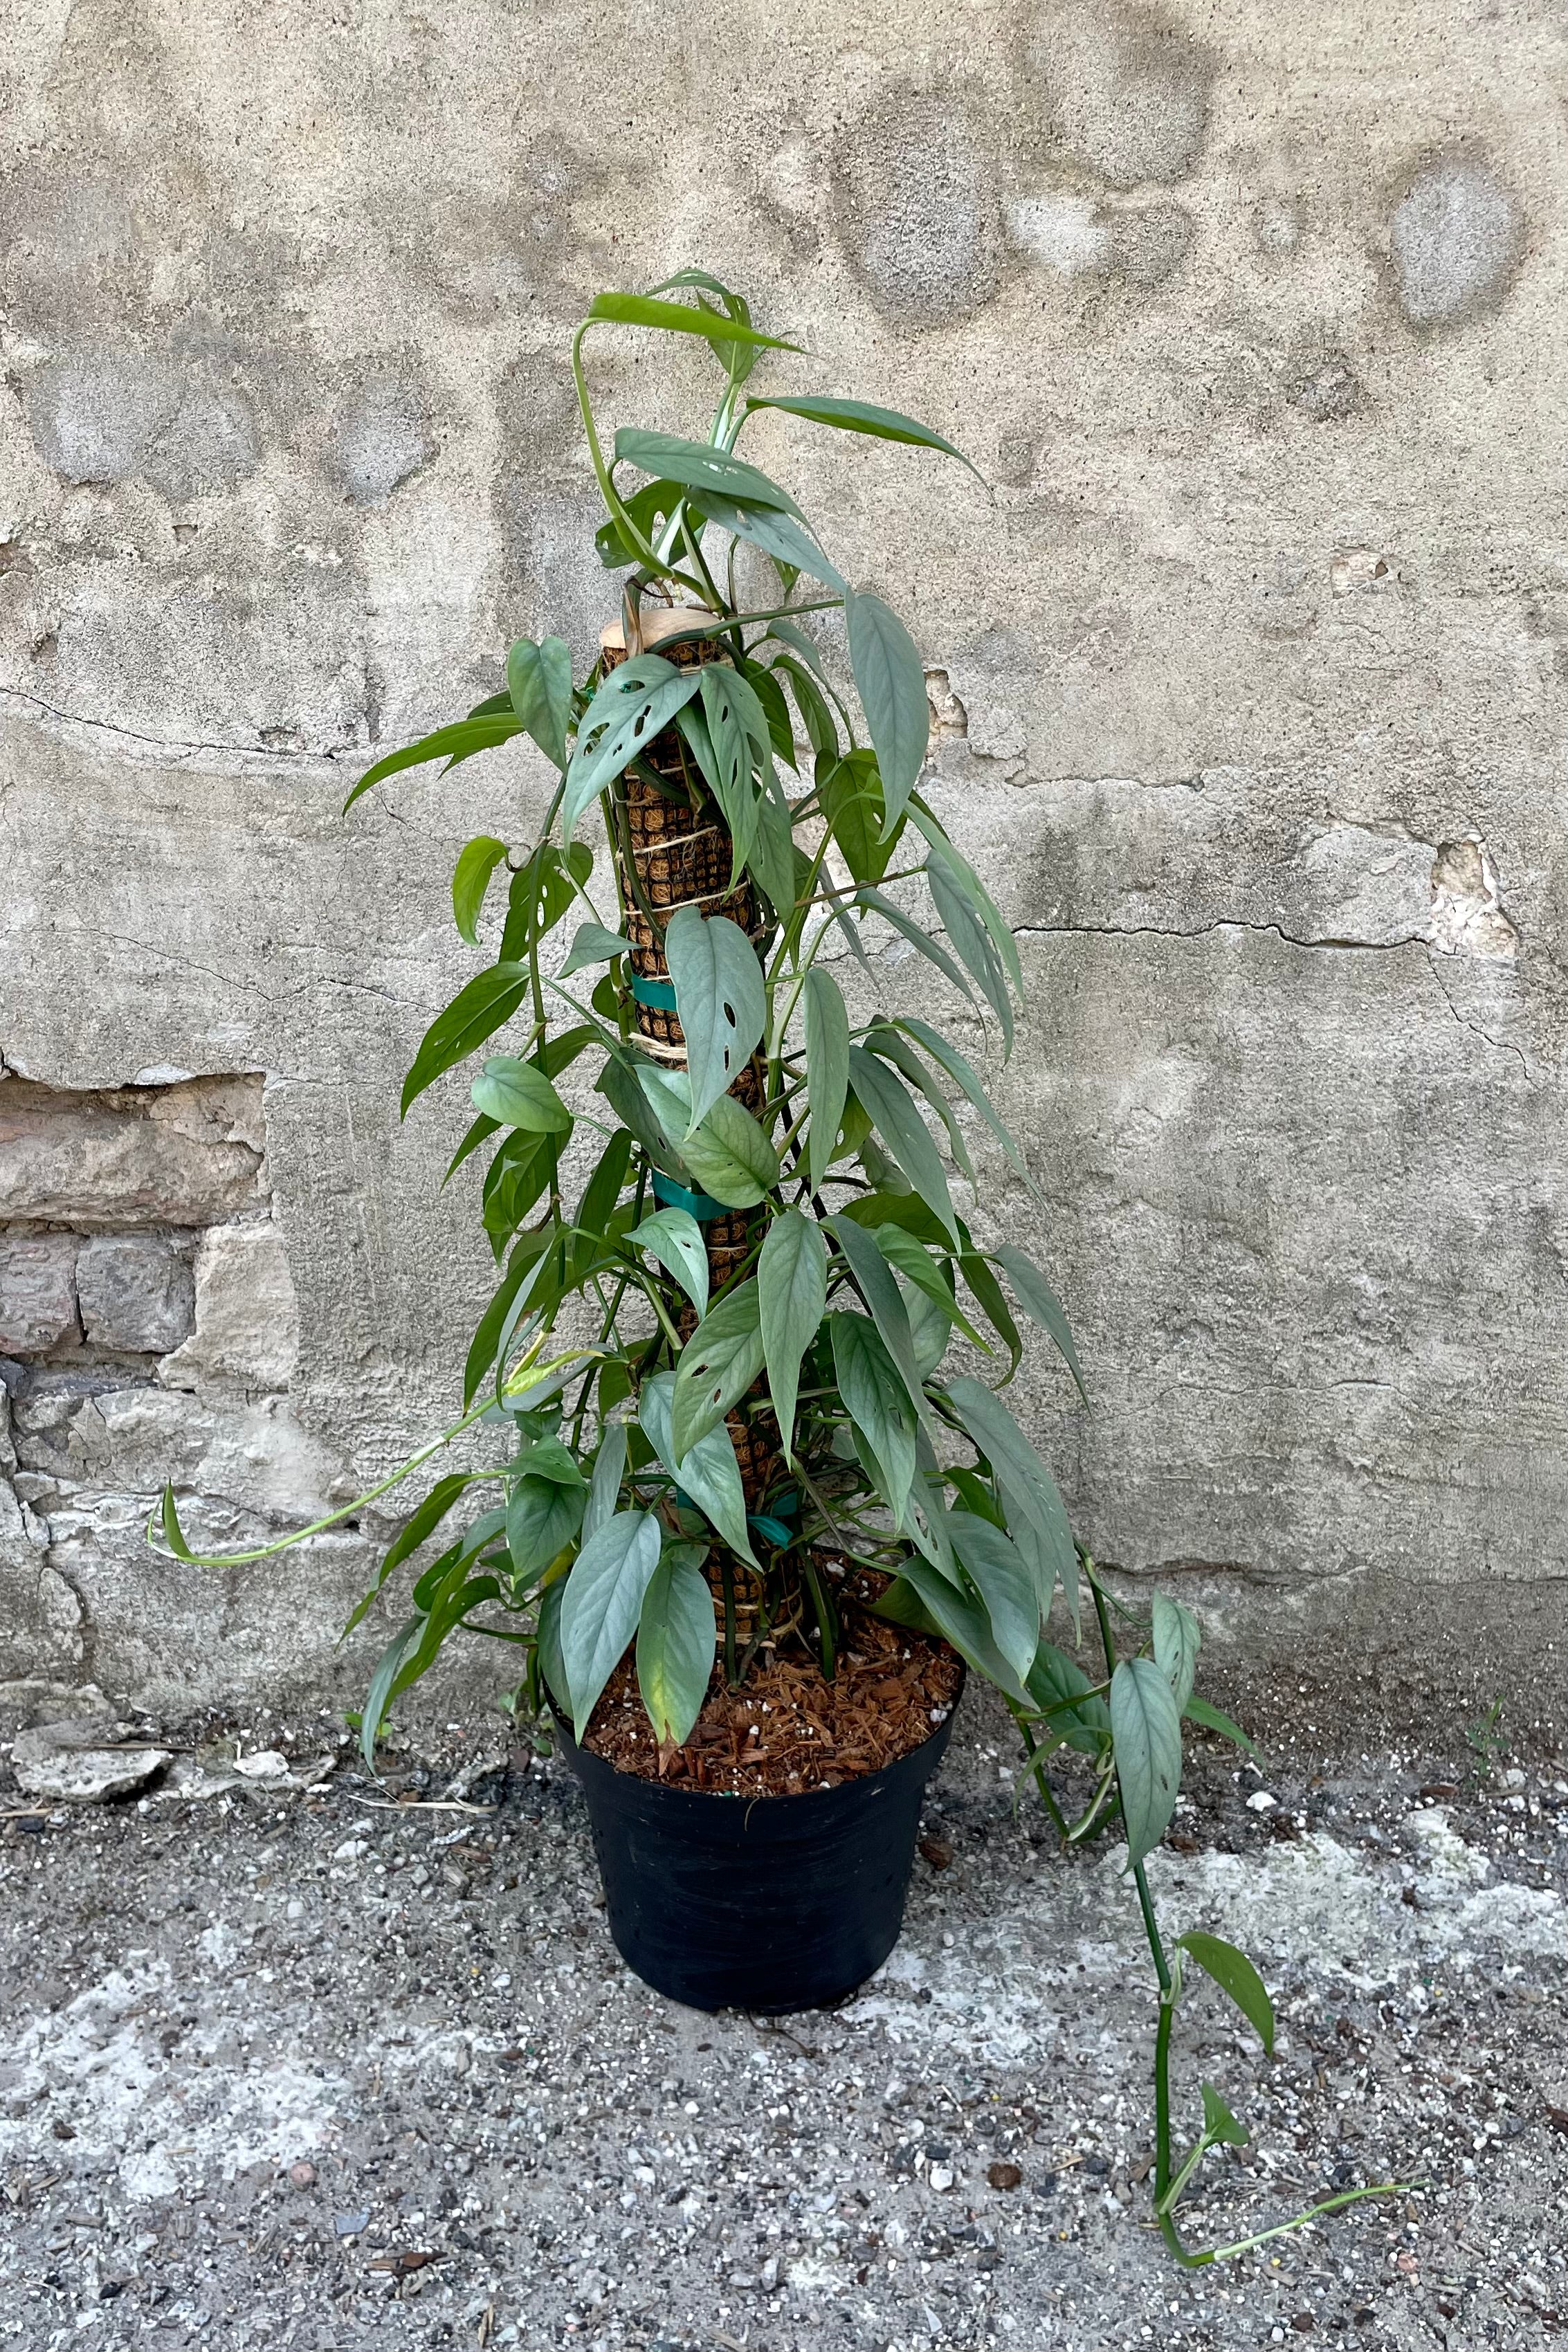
x,y
602,1601
702,468
904,1132
605,1485
1235,1975
709,1472
1039,1301
1177,1637
962,1071
635,701
1214,1718
1004,1586
681,319
1146,1732
775,532
877,1399
519,1094
874,1279
476,1012
827,1068
677,1638
863,416
591,943
470,880
791,1290
720,1000
460,740
539,680
717,1366
891,685
675,1238
730,1157
542,1517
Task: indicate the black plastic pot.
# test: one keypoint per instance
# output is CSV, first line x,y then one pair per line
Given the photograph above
x,y
768,1904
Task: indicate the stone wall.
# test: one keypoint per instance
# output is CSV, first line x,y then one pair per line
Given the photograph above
x,y
1249,676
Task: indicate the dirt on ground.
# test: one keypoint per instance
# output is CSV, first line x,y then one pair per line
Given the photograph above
x,y
292,2058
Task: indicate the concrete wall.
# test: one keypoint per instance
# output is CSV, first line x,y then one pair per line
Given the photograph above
x,y
1250,684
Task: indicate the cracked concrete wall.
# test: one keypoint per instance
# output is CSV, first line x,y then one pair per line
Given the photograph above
x,y
1248,682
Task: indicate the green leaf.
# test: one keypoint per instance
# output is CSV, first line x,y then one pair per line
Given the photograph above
x,y
965,878
730,1157
1039,1301
605,1485
904,1132
970,938
675,1238
774,861
546,1457
1061,1690
681,319
603,1602
1177,1636
725,738
911,1257
470,880
948,1058
603,1190
1146,1732
851,798
874,1280
1004,1585
676,1639
591,943
549,1640
521,1267
775,709
827,1068
717,1366
476,1012
891,685
377,1696
1213,1718
1012,1457
993,1305
480,1131
650,509
963,1621
419,1527
815,717
539,679
863,416
635,702
876,1397
1235,1976
520,1095
460,740
1219,2125
720,998
709,1472
791,1289
882,1038
776,534
1048,1551
702,468
542,1517
922,941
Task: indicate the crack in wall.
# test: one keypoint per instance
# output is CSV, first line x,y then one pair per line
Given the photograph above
x,y
173,743
1208,930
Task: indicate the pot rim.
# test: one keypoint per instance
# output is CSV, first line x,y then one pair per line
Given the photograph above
x,y
576,1755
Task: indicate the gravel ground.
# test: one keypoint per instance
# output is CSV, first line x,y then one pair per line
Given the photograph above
x,y
330,2066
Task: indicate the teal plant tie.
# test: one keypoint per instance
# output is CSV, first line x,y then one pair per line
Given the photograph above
x,y
658,993
700,1205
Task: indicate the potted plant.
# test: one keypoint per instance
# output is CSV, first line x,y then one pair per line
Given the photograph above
x,y
753,1523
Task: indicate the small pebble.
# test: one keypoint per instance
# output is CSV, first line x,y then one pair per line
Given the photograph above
x,y
303,2176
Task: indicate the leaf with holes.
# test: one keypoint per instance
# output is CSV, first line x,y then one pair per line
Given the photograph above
x,y
721,998
675,1238
634,703
717,1366
1177,1637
